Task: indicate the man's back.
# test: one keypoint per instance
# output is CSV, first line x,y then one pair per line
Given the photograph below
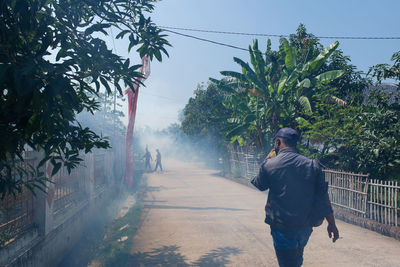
x,y
297,199
293,181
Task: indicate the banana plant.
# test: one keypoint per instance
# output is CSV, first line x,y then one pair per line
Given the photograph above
x,y
243,126
276,84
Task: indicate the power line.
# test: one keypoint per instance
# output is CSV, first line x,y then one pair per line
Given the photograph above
x,y
206,40
281,35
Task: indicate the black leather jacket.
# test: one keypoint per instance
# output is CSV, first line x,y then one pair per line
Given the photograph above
x,y
295,183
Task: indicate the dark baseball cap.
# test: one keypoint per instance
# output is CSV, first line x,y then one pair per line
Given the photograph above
x,y
288,133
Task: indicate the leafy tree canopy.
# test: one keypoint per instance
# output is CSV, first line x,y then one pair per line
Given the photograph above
x,y
202,117
360,137
52,60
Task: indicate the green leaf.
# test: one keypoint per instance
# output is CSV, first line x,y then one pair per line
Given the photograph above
x,y
122,34
234,74
329,75
290,55
250,118
292,79
222,86
98,27
106,85
282,83
116,84
158,56
126,63
248,72
56,168
243,64
97,86
302,121
305,103
323,56
237,131
306,83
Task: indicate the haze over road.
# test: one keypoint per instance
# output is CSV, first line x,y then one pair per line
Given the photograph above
x,y
194,218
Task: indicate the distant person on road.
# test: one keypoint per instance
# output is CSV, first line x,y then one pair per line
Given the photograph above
x,y
158,160
148,158
297,200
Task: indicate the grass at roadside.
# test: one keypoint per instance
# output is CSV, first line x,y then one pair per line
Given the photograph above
x,y
115,247
107,240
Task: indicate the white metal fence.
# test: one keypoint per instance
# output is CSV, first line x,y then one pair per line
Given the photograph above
x,y
370,198
244,162
384,201
348,190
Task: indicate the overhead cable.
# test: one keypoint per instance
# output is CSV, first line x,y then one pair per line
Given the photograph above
x,y
206,40
281,35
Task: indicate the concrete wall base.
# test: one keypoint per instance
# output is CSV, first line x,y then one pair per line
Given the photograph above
x,y
388,230
31,249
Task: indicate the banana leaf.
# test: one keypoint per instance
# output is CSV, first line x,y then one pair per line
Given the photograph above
x,y
323,56
234,74
220,85
305,103
306,83
257,93
282,82
237,131
329,75
290,55
250,118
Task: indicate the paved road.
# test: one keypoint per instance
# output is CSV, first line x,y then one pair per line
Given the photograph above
x,y
194,218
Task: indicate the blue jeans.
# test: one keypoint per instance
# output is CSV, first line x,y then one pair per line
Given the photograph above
x,y
289,246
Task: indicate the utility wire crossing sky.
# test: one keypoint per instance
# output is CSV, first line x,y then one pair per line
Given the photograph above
x,y
281,35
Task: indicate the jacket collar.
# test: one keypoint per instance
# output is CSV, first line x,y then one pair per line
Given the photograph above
x,y
287,149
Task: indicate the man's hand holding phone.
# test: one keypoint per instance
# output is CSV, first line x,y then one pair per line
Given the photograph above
x,y
271,154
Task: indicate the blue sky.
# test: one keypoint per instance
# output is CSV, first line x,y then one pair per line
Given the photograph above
x,y
191,62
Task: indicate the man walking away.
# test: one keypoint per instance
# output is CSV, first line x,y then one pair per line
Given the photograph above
x,y
158,160
148,158
297,200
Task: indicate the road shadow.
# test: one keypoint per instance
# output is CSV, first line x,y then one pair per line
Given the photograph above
x,y
170,256
217,257
218,174
164,256
154,188
154,201
190,208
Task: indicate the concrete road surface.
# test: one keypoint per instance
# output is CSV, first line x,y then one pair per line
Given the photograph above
x,y
194,218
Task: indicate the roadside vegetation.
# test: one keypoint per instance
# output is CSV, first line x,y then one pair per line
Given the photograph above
x,y
347,119
108,239
54,62
115,248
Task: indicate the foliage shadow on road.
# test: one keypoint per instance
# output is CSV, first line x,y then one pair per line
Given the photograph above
x,y
190,208
154,188
154,201
170,256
